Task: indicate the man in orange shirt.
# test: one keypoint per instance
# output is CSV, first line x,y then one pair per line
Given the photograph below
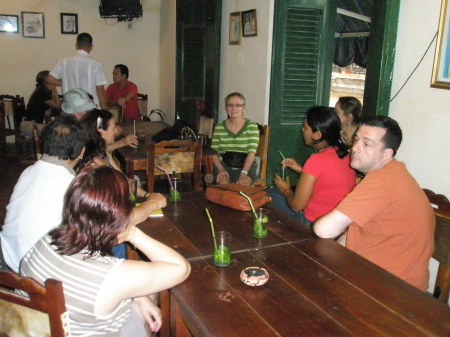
x,y
387,218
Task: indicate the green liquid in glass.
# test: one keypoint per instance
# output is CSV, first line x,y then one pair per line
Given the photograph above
x,y
132,198
174,195
222,256
259,231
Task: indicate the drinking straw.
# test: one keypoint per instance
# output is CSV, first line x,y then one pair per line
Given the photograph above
x,y
283,169
134,127
167,174
250,202
212,229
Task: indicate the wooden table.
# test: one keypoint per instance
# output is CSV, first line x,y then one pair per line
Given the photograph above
x,y
316,287
136,159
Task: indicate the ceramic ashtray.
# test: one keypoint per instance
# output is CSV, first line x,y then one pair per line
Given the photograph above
x,y
254,276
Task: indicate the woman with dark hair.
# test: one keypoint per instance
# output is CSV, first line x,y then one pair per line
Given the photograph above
x,y
104,295
349,110
236,140
100,129
326,176
44,98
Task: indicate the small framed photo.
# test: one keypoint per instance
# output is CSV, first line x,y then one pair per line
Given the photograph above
x,y
33,25
249,27
9,23
69,23
235,28
441,67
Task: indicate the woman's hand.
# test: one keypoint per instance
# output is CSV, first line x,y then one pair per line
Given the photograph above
x,y
282,185
149,312
292,164
158,199
223,177
127,235
244,180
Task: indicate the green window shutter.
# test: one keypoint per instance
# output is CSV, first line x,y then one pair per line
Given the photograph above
x,y
302,51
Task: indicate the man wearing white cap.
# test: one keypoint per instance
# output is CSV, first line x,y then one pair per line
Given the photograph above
x,y
77,102
81,71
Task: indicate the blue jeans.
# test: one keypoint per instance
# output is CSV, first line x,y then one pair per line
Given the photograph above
x,y
279,202
120,251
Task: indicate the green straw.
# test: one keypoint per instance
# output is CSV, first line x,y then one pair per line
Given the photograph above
x,y
212,229
283,169
250,202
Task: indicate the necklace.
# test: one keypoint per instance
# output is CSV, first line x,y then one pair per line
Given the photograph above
x,y
322,148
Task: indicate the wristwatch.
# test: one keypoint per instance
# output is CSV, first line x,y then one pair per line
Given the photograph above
x,y
245,172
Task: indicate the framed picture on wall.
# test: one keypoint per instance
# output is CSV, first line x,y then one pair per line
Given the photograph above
x,y
441,66
33,25
249,27
235,28
69,23
9,23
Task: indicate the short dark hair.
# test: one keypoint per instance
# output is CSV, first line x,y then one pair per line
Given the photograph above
x,y
325,120
123,69
234,94
84,40
351,105
63,138
95,145
97,209
40,77
393,137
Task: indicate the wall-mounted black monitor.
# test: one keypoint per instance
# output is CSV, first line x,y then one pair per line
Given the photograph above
x,y
122,9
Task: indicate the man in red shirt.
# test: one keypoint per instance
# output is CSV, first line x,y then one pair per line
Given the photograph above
x,y
124,93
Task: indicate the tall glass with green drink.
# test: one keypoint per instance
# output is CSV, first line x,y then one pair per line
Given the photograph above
x,y
222,251
259,228
174,189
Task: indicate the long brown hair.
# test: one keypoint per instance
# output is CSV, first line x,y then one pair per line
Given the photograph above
x,y
96,210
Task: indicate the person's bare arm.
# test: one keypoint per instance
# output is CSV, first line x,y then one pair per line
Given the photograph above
x,y
331,225
244,179
101,94
53,80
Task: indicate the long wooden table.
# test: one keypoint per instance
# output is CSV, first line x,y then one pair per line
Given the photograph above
x,y
316,287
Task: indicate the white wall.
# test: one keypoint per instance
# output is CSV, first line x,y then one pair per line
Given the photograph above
x,y
423,112
246,67
138,48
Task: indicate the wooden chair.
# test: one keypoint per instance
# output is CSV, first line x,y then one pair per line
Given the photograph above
x,y
14,111
181,156
43,311
441,206
143,104
261,153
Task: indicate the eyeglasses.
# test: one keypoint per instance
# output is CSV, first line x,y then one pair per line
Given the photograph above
x,y
235,105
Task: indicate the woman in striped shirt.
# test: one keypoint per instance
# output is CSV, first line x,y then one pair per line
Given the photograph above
x,y
104,295
236,140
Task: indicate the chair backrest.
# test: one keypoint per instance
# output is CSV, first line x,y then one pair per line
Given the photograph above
x,y
143,104
441,207
181,156
14,107
261,153
45,301
37,142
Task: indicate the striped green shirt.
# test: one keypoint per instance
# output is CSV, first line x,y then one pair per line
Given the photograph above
x,y
246,140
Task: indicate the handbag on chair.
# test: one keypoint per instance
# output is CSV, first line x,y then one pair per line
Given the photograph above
x,y
228,195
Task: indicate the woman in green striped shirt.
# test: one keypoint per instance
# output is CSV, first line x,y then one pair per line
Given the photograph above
x,y
236,140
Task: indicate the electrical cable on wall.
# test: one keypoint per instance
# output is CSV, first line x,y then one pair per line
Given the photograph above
x,y
426,51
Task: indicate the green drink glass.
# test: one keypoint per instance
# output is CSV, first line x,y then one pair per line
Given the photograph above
x,y
222,255
259,229
174,191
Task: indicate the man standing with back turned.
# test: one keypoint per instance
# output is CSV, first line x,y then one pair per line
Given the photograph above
x,y
389,218
81,71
